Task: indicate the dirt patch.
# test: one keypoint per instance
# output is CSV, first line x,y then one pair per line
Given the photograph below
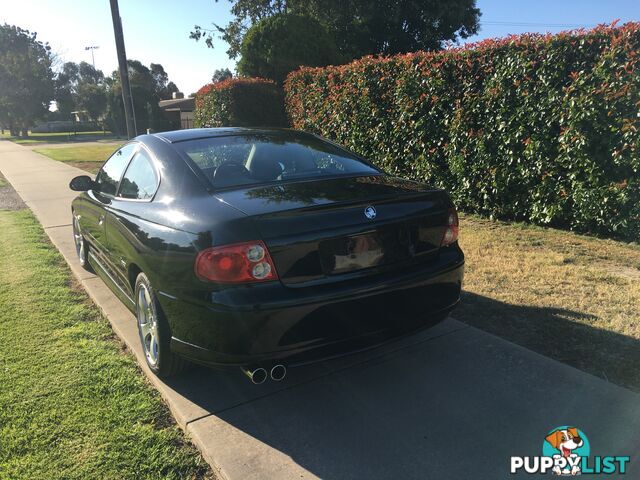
x,y
9,199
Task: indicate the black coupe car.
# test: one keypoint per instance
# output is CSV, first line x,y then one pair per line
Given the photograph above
x,y
264,248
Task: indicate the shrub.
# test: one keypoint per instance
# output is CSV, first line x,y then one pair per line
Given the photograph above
x,y
240,102
543,128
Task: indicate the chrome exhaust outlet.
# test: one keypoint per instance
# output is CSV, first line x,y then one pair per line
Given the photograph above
x,y
256,375
278,372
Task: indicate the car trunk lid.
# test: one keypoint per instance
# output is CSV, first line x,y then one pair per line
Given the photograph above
x,y
332,229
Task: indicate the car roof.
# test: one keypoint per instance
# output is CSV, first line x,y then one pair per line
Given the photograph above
x,y
198,133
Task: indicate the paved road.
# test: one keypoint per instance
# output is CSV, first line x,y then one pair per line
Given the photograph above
x,y
450,403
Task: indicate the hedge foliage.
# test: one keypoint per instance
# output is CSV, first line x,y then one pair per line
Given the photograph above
x,y
240,102
542,128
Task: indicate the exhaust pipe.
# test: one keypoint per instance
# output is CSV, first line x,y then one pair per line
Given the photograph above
x,y
256,375
278,372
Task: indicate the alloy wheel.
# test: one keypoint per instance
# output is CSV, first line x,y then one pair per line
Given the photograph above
x,y
148,324
79,242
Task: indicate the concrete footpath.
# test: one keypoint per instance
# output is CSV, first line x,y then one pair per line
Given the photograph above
x,y
451,403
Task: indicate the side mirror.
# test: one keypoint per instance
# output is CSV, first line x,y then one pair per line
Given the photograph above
x,y
81,183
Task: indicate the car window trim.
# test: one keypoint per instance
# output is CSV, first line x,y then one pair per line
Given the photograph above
x,y
155,169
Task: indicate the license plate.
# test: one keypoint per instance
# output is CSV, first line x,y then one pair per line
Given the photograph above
x,y
357,252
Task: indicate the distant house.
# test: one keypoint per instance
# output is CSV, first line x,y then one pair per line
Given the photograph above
x,y
179,109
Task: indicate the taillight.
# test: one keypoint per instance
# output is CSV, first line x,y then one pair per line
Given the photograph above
x,y
451,232
237,263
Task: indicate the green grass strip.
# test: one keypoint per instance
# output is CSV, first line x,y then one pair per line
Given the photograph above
x,y
73,404
59,137
80,153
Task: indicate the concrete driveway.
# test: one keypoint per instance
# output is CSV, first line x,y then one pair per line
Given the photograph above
x,y
450,403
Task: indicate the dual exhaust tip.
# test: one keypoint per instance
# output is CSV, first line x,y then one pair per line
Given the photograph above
x,y
259,375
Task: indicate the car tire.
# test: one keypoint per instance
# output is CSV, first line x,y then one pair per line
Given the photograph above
x,y
154,332
82,247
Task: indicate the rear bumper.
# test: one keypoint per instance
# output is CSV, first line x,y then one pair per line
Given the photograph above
x,y
269,322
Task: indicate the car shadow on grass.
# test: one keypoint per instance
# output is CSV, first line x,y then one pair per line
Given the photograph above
x,y
558,333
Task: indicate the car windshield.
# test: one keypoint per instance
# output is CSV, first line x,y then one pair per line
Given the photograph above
x,y
246,159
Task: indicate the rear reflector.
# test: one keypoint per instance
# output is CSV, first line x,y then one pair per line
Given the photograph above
x,y
237,263
451,232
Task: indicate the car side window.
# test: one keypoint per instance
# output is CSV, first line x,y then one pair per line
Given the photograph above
x,y
140,180
109,175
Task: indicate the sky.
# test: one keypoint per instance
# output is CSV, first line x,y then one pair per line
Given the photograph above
x,y
157,31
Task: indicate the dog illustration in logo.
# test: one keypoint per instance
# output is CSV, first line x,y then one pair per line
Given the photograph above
x,y
566,441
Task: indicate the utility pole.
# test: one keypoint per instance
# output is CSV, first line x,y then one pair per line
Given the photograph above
x,y
124,70
93,60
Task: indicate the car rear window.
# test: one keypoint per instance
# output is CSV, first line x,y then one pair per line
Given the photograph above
x,y
236,160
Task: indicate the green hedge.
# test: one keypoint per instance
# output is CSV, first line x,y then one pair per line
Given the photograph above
x,y
240,102
537,128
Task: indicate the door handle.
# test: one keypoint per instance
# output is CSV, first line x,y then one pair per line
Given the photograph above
x,y
101,220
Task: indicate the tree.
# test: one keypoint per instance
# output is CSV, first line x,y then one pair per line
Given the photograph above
x,y
26,78
276,45
221,74
65,81
362,27
80,87
359,27
149,85
163,87
246,12
92,98
87,73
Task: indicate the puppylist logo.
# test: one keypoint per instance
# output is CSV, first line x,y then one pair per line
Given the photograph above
x,y
566,452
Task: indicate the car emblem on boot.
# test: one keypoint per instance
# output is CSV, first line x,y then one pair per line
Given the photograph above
x,y
370,212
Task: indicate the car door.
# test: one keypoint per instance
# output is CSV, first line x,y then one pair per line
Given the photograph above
x,y
125,228
92,217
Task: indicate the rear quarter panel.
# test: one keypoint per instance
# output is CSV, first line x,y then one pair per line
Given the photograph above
x,y
163,239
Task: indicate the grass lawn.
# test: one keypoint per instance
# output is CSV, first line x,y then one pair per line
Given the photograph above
x,y
570,297
85,157
73,403
61,137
